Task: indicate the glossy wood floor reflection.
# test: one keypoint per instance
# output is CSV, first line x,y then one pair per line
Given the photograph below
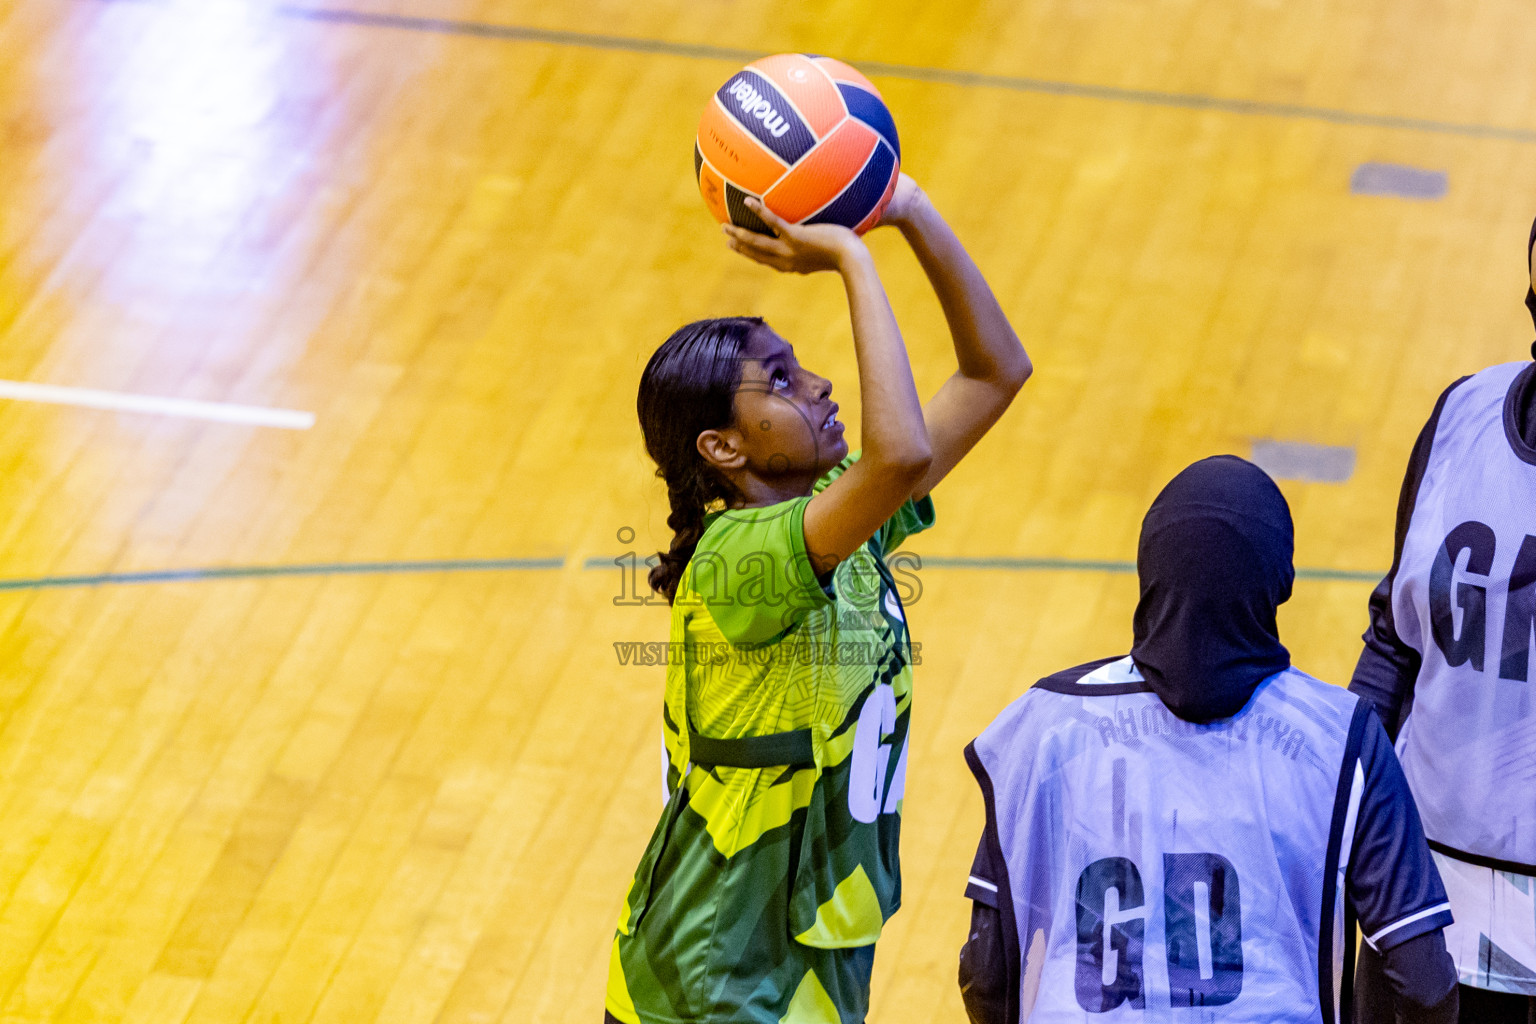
x,y
333,795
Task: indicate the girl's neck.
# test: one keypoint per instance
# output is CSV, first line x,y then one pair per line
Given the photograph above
x,y
755,492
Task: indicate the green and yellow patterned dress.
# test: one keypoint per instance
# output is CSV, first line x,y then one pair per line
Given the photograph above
x,y
763,889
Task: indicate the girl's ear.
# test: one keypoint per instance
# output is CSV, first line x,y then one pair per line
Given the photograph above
x,y
722,449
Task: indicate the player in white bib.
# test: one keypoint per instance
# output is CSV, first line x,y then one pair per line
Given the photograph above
x,y
1447,663
1191,833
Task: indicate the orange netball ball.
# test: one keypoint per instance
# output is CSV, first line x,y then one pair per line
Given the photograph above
x,y
807,135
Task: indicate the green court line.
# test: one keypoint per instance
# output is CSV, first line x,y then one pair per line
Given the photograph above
x,y
1348,575
913,72
267,571
245,572
1092,565
1065,565
1027,564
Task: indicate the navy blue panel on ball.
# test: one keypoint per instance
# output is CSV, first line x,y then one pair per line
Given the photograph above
x,y
863,193
736,206
866,106
759,107
698,161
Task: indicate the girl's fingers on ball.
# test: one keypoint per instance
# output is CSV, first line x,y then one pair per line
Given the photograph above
x,y
746,237
770,218
769,250
767,259
766,246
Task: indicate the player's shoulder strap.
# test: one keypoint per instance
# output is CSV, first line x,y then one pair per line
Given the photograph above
x,y
1106,677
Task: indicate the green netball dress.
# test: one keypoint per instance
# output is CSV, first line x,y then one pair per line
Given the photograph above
x,y
774,866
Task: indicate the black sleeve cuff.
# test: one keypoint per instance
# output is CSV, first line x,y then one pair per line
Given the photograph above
x,y
1411,926
981,890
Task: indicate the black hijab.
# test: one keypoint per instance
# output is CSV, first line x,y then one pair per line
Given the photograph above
x,y
1530,294
1525,405
1215,565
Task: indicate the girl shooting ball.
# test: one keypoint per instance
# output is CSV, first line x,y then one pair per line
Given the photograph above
x,y
775,866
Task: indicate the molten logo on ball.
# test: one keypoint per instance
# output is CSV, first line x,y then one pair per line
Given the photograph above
x,y
754,105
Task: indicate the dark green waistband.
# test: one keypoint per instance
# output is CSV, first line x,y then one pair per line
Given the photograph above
x,y
780,748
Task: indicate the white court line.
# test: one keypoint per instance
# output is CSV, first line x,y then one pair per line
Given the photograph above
x,y
222,412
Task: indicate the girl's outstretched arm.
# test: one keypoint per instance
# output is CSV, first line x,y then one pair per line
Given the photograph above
x,y
992,363
896,451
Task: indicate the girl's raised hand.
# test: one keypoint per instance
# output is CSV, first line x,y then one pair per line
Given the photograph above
x,y
794,248
904,202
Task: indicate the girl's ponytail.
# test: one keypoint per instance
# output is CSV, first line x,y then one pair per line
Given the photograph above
x,y
688,387
689,501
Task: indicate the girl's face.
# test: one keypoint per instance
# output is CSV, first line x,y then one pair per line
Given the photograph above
x,y
785,415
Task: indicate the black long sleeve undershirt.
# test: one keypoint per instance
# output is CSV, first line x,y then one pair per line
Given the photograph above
x,y
1414,983
984,974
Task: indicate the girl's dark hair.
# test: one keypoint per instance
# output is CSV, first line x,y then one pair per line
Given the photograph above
x,y
687,388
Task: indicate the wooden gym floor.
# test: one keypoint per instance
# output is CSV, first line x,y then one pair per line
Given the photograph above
x,y
328,724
